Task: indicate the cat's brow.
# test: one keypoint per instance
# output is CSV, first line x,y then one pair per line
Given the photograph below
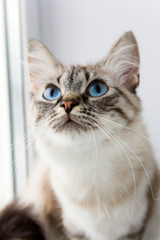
x,y
58,79
87,74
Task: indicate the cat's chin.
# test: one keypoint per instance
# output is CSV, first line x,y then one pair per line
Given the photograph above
x,y
71,127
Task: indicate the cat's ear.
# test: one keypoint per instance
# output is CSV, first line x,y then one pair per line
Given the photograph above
x,y
42,65
122,61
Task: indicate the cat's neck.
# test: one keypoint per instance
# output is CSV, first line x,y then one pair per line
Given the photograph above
x,y
82,149
88,170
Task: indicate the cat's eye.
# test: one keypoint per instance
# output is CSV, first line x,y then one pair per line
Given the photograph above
x,y
52,93
97,88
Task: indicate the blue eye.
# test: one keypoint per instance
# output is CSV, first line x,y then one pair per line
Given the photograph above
x,y
51,93
97,89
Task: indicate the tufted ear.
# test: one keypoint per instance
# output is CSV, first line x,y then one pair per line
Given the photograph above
x,y
42,65
122,61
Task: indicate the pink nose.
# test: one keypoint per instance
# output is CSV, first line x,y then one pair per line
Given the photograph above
x,y
68,105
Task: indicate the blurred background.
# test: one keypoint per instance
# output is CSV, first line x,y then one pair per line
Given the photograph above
x,y
76,31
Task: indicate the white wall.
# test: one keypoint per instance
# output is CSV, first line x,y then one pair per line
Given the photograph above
x,y
79,31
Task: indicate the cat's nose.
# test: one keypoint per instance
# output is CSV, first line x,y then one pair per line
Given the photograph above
x,y
68,105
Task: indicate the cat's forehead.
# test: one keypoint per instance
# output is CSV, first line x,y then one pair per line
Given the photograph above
x,y
75,78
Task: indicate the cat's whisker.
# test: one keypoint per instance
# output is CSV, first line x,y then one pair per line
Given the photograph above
x,y
54,121
51,116
93,158
25,136
14,165
89,119
93,121
94,164
100,145
28,140
133,174
128,128
137,157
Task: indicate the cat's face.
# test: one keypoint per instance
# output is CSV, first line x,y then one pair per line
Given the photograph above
x,y
76,101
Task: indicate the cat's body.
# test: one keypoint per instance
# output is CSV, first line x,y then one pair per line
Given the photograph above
x,y
97,178
86,208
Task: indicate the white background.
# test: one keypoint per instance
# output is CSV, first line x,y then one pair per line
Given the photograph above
x,y
81,31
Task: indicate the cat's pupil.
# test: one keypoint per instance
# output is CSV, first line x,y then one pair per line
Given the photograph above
x,y
98,88
52,92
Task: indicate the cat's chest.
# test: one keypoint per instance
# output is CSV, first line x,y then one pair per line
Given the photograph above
x,y
91,201
97,222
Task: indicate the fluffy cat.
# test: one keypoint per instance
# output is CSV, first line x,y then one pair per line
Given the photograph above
x,y
96,177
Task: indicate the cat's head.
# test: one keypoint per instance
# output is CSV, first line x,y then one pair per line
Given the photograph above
x,y
70,103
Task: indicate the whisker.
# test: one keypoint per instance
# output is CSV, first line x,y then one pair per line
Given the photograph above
x,y
128,128
94,166
135,154
133,174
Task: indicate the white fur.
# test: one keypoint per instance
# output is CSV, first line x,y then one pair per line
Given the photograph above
x,y
75,176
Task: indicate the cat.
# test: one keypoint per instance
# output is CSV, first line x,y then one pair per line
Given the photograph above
x,y
96,177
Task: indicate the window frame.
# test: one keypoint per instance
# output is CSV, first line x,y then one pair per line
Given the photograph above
x,y
13,102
